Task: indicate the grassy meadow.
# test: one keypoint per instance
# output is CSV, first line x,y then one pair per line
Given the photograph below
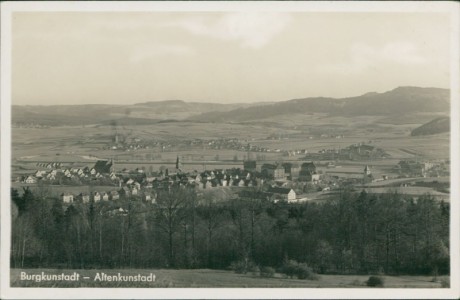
x,y
166,278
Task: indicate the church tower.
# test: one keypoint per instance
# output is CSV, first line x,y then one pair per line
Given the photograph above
x,y
367,175
178,164
367,170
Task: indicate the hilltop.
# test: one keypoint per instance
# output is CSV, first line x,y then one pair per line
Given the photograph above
x,y
400,101
439,125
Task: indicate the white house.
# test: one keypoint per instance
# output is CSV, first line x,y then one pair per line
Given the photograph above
x,y
30,180
105,196
96,196
287,194
67,197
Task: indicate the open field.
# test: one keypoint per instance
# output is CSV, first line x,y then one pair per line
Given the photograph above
x,y
282,134
80,146
216,278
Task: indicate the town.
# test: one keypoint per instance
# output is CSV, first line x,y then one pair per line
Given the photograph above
x,y
280,181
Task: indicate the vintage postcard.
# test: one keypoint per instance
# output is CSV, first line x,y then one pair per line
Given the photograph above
x,y
229,150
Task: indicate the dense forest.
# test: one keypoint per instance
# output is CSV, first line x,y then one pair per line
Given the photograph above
x,y
353,233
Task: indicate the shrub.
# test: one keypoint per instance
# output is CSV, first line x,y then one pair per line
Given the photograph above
x,y
255,270
301,270
289,268
243,266
375,281
267,272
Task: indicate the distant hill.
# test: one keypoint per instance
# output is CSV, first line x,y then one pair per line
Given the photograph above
x,y
439,125
56,115
400,101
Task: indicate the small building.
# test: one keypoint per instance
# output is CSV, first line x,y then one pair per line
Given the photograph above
x,y
96,197
135,191
39,174
67,197
114,195
291,170
104,196
30,180
84,197
279,173
286,194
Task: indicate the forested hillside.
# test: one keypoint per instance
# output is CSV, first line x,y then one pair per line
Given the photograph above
x,y
354,233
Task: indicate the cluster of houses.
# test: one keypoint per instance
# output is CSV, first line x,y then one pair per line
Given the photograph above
x,y
124,193
53,172
273,178
358,152
415,168
305,172
138,184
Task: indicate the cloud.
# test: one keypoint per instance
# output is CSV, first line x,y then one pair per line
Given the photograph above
x,y
363,57
251,30
141,54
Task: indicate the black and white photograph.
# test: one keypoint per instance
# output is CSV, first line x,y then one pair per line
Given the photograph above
x,y
268,149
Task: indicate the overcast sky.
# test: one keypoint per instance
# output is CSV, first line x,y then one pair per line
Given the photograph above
x,y
125,58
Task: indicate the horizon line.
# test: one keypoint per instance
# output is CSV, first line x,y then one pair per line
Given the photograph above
x,y
234,103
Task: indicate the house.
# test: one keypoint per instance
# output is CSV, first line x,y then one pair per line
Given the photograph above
x,y
308,172
105,196
135,191
268,170
208,185
279,173
96,197
149,197
291,170
286,194
84,197
40,174
67,197
114,195
30,180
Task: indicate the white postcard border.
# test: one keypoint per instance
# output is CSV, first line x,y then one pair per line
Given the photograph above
x,y
6,292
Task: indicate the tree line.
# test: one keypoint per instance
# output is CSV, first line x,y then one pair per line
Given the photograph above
x,y
352,233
